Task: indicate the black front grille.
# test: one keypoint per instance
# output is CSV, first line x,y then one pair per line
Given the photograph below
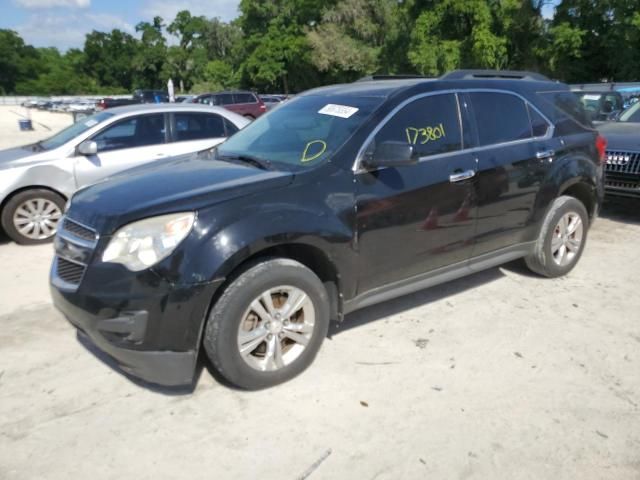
x,y
623,163
78,230
68,271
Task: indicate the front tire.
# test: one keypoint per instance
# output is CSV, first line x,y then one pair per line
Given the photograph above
x,y
561,240
31,217
268,324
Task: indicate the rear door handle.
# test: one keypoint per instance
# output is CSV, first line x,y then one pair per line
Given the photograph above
x,y
461,176
545,154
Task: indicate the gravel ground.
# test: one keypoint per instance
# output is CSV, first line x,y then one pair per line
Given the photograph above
x,y
501,375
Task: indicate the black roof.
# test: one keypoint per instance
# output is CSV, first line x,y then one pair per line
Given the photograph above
x,y
387,85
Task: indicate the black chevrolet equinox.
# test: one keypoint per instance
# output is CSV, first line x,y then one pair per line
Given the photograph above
x,y
342,197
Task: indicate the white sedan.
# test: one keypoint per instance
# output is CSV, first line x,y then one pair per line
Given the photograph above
x,y
36,180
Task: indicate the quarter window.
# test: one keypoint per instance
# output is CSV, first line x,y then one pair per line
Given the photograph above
x,y
132,132
431,124
539,125
198,126
500,117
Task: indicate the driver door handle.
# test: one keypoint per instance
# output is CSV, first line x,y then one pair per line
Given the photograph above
x,y
461,176
545,154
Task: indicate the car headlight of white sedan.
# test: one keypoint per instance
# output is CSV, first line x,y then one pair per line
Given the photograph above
x,y
144,243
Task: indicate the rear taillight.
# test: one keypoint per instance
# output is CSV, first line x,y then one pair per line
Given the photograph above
x,y
263,107
601,147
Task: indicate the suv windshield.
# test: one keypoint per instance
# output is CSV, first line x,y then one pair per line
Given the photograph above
x,y
303,132
631,114
74,130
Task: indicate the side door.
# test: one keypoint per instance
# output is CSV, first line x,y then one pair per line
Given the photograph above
x,y
514,153
417,218
195,131
124,144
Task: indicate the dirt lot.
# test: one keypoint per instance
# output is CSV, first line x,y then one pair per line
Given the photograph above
x,y
502,375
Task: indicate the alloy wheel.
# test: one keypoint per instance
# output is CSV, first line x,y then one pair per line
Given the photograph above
x,y
567,238
276,328
37,218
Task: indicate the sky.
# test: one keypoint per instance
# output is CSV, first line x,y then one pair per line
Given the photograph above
x,y
64,23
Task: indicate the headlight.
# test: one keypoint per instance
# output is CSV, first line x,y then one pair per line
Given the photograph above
x,y
142,244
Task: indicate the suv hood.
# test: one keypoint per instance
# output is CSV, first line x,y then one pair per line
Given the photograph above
x,y
621,136
176,184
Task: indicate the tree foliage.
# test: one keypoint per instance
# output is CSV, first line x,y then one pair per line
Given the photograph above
x,y
292,45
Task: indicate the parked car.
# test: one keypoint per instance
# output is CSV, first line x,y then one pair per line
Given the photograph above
x,y
342,197
139,96
601,106
622,170
271,101
36,180
243,103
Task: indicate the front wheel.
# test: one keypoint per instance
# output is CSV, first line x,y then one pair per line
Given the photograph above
x,y
31,217
268,325
562,238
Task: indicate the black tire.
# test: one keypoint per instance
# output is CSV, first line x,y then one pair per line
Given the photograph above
x,y
541,260
221,332
19,199
249,117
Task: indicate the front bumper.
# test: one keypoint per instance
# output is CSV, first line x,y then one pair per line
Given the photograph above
x,y
149,327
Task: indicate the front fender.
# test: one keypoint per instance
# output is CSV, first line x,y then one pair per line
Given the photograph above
x,y
48,175
227,234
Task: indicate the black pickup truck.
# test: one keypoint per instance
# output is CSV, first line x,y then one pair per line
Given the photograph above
x,y
139,96
340,198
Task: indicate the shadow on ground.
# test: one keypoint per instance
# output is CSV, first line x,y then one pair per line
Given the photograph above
x,y
626,210
420,298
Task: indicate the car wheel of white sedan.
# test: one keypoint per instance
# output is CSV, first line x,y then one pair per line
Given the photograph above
x,y
31,216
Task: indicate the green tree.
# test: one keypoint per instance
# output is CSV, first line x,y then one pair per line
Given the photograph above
x,y
452,34
18,61
352,37
151,54
108,58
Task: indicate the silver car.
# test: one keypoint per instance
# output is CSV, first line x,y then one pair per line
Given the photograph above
x,y
36,180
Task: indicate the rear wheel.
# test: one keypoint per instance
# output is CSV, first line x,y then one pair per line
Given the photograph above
x,y
31,217
268,325
249,117
562,238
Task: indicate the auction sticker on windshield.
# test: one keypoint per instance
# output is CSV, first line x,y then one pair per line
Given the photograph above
x,y
342,111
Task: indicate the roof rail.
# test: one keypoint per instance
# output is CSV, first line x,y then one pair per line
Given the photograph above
x,y
504,74
369,78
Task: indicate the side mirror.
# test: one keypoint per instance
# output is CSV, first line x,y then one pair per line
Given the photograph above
x,y
88,147
391,154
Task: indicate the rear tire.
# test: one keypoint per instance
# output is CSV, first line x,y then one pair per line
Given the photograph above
x,y
31,217
268,325
561,240
249,117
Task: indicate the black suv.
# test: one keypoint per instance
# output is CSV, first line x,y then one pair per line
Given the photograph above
x,y
342,197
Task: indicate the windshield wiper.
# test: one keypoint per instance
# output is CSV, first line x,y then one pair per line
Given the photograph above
x,y
258,162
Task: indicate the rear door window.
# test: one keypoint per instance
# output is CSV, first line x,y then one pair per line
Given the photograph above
x,y
198,126
132,132
431,124
500,117
225,99
244,98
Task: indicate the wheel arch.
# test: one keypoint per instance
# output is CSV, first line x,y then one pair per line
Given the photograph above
x,y
17,191
311,256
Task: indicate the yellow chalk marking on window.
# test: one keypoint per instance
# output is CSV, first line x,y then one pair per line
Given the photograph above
x,y
425,135
306,158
